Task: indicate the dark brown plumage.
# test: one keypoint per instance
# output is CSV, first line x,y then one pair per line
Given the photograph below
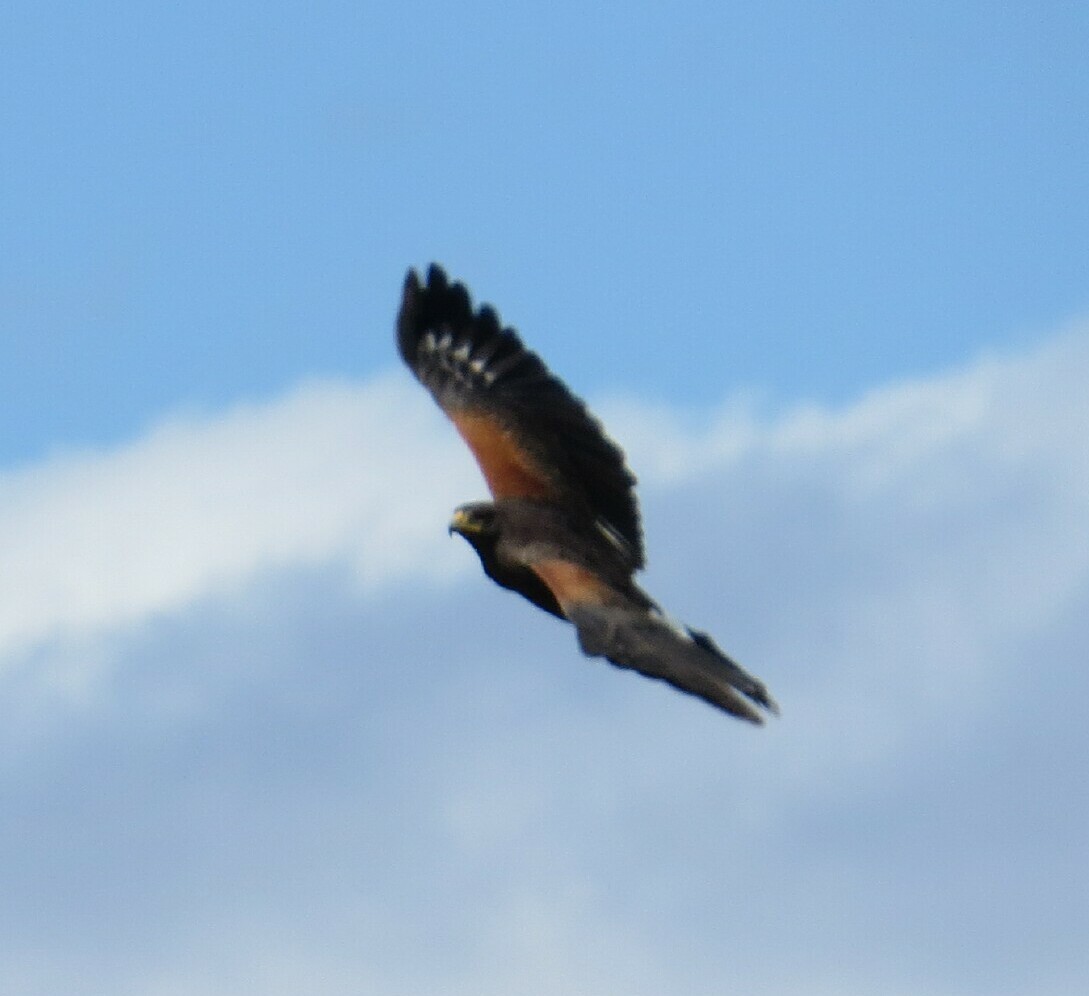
x,y
563,530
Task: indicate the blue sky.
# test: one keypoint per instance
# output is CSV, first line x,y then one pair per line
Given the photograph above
x,y
209,201
823,271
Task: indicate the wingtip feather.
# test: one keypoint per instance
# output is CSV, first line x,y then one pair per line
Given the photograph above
x,y
436,277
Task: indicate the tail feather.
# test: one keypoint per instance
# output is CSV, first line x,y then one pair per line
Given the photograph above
x,y
646,642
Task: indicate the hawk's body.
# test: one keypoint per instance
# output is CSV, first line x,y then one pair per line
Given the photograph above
x,y
564,529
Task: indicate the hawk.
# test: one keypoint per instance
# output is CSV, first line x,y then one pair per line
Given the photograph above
x,y
563,529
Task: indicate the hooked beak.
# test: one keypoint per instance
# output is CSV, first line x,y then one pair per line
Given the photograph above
x,y
460,523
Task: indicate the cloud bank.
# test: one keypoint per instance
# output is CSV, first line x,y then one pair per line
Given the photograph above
x,y
200,504
306,748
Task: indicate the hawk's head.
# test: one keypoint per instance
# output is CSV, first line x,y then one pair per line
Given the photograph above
x,y
477,521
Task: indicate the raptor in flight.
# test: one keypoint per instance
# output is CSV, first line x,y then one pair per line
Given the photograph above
x,y
563,529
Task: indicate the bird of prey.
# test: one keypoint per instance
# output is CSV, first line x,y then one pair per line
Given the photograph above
x,y
563,529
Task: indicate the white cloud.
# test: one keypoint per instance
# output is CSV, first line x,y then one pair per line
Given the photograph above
x,y
972,484
959,502
368,472
199,504
906,572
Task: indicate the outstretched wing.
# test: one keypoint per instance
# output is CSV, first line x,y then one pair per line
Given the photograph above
x,y
629,630
530,435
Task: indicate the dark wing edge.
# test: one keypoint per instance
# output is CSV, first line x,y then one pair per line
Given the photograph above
x,y
648,643
473,366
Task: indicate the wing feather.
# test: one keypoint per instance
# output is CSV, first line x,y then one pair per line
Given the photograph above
x,y
530,435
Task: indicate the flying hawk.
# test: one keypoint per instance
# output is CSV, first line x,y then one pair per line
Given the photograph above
x,y
563,529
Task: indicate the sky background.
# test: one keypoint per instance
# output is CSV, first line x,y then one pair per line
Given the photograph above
x,y
824,272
